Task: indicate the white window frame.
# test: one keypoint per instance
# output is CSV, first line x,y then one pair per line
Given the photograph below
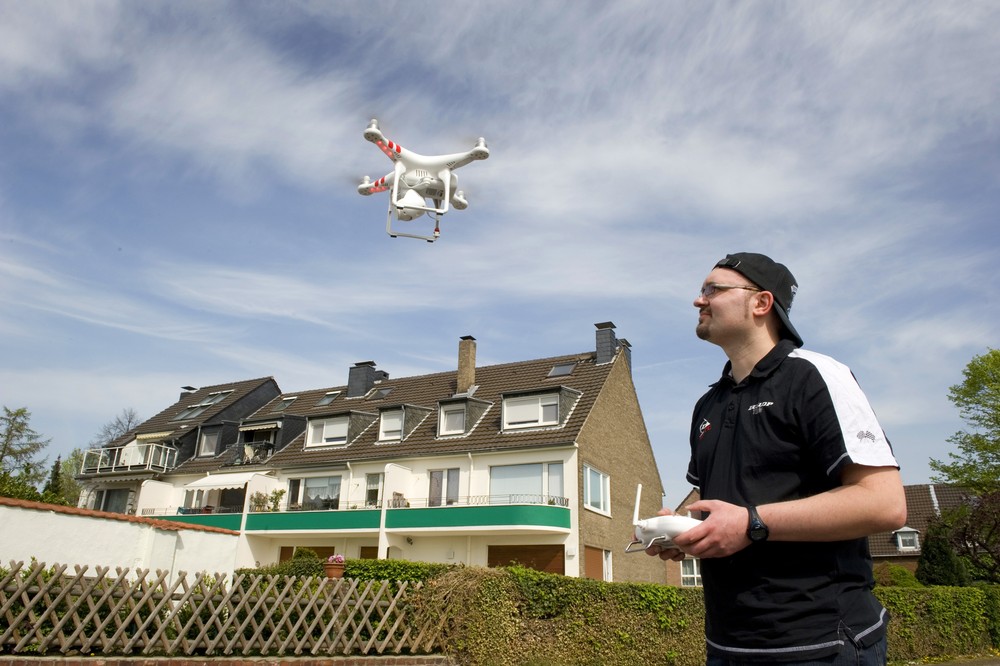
x,y
447,494
443,427
206,437
690,572
326,432
304,483
590,476
374,482
389,418
531,411
905,536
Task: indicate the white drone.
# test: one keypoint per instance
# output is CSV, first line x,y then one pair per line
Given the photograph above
x,y
419,184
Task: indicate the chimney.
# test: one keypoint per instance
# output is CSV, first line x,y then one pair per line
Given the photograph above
x,y
362,377
466,364
607,343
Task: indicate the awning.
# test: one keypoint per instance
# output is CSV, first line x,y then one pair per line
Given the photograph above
x,y
271,425
237,480
146,436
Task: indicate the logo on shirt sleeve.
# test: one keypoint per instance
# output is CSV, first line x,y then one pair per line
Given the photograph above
x,y
864,434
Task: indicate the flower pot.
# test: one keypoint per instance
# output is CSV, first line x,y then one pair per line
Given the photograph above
x,y
334,569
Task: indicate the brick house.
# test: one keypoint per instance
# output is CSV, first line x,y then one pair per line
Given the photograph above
x,y
533,461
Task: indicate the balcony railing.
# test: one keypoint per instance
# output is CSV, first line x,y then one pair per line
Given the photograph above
x,y
152,456
394,503
252,453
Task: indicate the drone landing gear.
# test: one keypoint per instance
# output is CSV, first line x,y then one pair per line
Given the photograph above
x,y
394,234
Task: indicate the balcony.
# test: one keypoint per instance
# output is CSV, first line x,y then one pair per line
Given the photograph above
x,y
252,453
133,457
486,513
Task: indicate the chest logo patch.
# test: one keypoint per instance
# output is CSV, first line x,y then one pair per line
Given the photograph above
x,y
703,428
759,407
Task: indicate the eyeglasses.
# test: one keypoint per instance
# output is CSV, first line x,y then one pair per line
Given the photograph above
x,y
712,288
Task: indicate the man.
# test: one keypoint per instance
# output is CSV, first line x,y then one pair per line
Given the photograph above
x,y
794,473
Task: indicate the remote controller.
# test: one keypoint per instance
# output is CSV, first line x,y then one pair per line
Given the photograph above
x,y
658,530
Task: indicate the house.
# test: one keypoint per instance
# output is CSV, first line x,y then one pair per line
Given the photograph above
x,y
533,461
924,504
202,419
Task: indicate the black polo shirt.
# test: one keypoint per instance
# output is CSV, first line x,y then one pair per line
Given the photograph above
x,y
783,433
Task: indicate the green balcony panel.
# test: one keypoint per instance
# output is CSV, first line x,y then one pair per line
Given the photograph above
x,y
359,519
479,516
227,521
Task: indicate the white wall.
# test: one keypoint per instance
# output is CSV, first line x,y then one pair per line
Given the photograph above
x,y
54,537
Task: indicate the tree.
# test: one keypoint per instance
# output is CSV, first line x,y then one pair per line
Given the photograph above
x,y
974,532
977,465
20,446
115,428
69,487
939,564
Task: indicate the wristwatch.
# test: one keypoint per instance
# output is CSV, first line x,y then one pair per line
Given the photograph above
x,y
756,529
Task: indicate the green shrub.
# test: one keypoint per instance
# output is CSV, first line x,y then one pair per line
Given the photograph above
x,y
893,575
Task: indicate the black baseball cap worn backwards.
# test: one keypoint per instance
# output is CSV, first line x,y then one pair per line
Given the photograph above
x,y
769,276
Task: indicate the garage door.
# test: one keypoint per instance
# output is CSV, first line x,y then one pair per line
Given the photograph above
x,y
550,559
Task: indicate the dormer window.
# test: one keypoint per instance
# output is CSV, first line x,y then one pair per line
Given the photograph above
x,y
208,443
451,420
529,411
326,432
907,539
391,425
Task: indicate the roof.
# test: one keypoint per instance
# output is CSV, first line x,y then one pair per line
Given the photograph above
x,y
423,394
924,503
166,424
158,523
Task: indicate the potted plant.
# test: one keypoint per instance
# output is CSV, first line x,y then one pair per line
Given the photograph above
x,y
334,566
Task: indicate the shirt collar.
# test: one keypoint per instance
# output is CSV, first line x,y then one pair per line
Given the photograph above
x,y
765,366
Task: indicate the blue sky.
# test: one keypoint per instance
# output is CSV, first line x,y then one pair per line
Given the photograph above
x,y
178,199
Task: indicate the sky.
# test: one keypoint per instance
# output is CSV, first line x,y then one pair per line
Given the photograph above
x,y
179,205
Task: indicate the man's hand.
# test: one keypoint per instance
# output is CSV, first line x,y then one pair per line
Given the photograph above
x,y
723,533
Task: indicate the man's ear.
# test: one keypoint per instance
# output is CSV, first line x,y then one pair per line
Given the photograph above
x,y
764,302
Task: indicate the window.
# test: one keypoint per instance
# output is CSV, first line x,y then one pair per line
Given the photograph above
x,y
444,486
198,409
328,431
907,539
596,490
208,444
452,420
391,426
328,398
373,489
321,492
530,483
284,404
531,410
690,572
112,500
562,369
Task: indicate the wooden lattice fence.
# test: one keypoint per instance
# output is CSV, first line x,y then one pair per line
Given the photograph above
x,y
47,610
